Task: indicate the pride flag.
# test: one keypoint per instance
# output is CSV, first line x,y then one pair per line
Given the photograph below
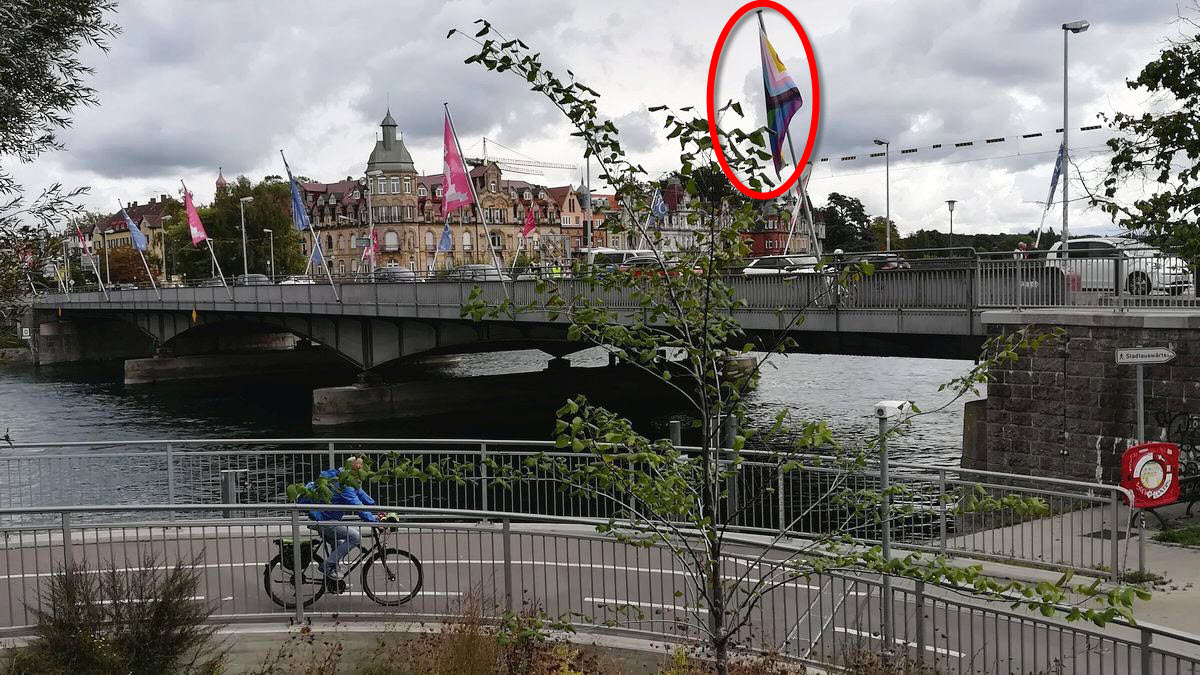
x,y
783,96
529,223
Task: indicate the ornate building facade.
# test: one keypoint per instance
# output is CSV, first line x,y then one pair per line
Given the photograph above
x,y
405,208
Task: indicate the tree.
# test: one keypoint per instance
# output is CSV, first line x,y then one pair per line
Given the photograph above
x,y
1158,150
271,209
879,226
657,494
846,224
125,266
41,82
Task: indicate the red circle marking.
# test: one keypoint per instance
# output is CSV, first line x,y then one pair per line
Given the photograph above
x,y
814,104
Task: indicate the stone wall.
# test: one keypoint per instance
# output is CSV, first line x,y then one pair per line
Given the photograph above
x,y
1069,411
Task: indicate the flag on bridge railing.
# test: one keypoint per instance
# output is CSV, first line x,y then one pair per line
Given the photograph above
x,y
530,223
1058,169
456,187
447,241
783,96
658,206
139,239
84,244
195,227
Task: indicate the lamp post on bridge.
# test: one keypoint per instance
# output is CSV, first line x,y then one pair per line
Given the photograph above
x,y
271,260
887,180
950,203
107,270
245,259
1067,28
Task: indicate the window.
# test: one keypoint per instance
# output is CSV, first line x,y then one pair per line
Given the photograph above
x,y
566,220
429,240
394,214
528,195
421,191
341,242
492,186
439,191
407,185
496,241
466,240
356,194
428,215
391,241
329,242
342,268
382,186
304,247
395,185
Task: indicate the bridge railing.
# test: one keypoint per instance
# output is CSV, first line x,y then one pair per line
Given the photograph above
x,y
485,563
1114,278
1071,526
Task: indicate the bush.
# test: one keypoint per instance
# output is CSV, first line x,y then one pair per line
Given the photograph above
x,y
136,621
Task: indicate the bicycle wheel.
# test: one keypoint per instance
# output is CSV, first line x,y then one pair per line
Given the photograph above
x,y
280,582
392,577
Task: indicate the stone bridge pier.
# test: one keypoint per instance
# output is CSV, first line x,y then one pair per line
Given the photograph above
x,y
1069,411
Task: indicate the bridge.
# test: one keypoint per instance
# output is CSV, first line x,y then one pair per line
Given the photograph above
x,y
934,313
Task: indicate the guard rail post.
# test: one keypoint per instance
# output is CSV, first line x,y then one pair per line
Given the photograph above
x,y
1118,286
676,432
483,476
1146,639
919,613
779,497
332,463
942,510
68,556
506,544
1115,537
171,478
297,569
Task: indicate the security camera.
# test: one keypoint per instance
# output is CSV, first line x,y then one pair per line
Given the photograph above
x,y
886,409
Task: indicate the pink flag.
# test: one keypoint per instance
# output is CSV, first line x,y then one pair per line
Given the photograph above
x,y
529,224
195,227
83,241
456,187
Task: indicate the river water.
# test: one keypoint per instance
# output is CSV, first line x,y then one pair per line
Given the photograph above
x,y
90,403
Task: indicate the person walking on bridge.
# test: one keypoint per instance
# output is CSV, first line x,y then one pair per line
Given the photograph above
x,y
340,538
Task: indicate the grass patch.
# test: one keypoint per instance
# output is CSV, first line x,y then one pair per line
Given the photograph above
x,y
1184,536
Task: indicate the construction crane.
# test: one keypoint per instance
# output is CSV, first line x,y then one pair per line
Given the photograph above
x,y
521,166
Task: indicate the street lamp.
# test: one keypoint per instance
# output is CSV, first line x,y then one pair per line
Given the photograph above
x,y
951,203
107,270
166,249
1067,28
271,263
887,179
245,260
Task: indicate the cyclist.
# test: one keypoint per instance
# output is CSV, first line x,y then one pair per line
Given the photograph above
x,y
341,538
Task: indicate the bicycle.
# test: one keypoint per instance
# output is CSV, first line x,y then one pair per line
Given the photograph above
x,y
390,576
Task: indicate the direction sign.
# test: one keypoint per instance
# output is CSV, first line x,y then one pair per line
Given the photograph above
x,y
1144,355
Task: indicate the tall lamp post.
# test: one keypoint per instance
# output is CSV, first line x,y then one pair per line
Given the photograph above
x,y
951,203
1067,28
271,260
107,270
245,259
166,248
887,179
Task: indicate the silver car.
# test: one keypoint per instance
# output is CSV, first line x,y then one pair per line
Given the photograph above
x,y
1107,263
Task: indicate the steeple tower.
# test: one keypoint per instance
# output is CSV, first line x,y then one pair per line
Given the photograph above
x,y
222,184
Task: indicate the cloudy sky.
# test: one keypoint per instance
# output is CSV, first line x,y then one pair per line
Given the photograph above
x,y
195,84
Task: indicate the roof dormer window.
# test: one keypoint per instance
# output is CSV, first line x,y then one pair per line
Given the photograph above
x,y
528,195
421,191
438,191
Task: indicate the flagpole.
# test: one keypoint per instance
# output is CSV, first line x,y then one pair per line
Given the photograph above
x,y
142,255
221,274
475,198
795,162
316,237
95,267
1038,239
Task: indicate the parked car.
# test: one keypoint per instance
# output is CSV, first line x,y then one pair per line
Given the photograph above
x,y
401,275
297,280
251,280
882,261
1108,263
780,264
613,258
210,283
476,273
126,286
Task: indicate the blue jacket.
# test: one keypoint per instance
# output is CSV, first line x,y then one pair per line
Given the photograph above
x,y
342,495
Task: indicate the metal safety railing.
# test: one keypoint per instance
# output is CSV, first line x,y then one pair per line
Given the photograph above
x,y
1097,273
1076,526
502,561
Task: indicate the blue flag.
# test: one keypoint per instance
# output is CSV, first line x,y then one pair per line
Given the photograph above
x,y
1058,169
447,241
299,213
316,257
658,207
139,239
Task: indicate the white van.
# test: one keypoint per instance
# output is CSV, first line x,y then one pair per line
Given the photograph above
x,y
615,257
